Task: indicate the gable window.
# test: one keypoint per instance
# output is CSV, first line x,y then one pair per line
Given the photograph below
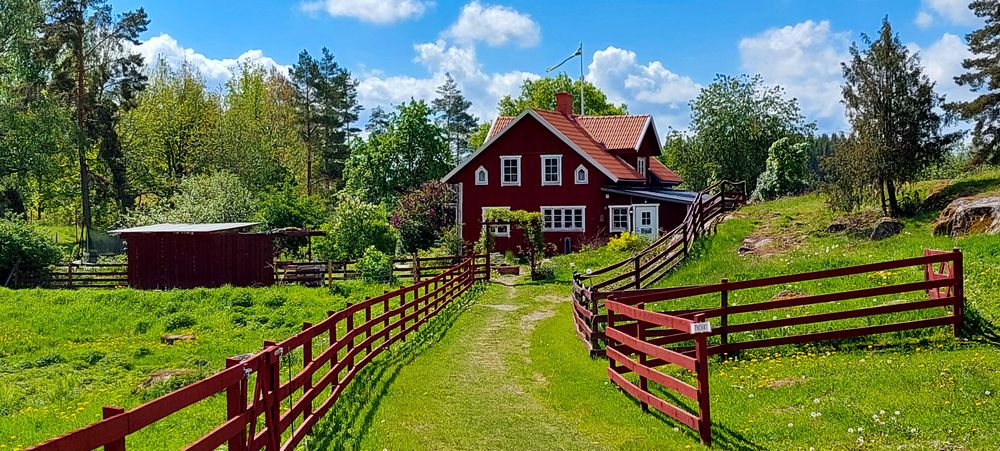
x,y
482,176
563,219
619,218
641,166
498,230
581,175
510,170
551,169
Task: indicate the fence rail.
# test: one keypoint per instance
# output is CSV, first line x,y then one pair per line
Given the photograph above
x,y
75,275
333,351
326,272
642,341
651,264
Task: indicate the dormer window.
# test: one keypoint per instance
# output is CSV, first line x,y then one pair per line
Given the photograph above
x,y
581,175
510,171
641,166
482,176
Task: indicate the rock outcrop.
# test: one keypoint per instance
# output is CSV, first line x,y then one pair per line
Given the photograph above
x,y
970,215
885,228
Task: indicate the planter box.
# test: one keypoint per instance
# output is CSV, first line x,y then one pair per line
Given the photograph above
x,y
508,270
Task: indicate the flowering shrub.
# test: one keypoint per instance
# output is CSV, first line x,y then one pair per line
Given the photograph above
x,y
628,242
375,266
422,215
24,251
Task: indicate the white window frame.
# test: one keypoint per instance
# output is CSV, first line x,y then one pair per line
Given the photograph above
x,y
611,218
641,165
503,173
561,209
499,230
586,175
486,176
558,181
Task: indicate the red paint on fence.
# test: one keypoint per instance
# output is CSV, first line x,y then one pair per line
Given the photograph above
x,y
338,363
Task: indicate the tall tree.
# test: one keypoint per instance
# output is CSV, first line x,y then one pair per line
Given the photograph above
x,y
453,117
541,93
479,135
407,150
326,106
171,131
734,121
100,75
893,111
983,76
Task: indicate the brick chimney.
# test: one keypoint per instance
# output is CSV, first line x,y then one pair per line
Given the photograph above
x,y
564,103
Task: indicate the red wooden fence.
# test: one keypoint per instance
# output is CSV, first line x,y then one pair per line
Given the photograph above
x,y
640,341
651,264
333,350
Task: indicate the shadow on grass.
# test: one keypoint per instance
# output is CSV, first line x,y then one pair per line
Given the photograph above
x,y
722,436
350,420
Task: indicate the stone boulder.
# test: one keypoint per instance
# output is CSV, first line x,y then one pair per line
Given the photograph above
x,y
970,215
885,228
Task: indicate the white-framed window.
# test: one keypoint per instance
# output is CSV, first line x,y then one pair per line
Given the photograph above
x,y
499,230
510,171
581,175
482,176
620,218
551,169
564,219
641,166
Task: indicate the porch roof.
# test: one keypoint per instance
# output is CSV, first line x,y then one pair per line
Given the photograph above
x,y
656,193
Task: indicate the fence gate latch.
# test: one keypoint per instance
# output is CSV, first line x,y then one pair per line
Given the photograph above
x,y
701,328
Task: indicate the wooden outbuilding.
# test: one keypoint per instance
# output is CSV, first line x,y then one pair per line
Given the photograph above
x,y
164,256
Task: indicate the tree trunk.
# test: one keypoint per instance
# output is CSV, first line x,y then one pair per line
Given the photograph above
x,y
85,219
881,195
893,202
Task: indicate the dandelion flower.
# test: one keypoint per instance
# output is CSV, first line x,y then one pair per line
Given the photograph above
x,y
815,400
896,412
815,414
850,430
790,425
881,412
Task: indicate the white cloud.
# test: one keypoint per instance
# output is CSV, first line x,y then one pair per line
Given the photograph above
x,y
216,71
372,11
805,60
494,25
923,19
956,12
942,62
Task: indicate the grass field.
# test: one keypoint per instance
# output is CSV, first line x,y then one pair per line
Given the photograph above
x,y
505,370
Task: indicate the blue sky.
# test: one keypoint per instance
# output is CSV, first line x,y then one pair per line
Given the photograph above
x,y
652,55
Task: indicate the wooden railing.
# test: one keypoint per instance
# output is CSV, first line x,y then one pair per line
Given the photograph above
x,y
75,275
651,264
320,272
262,410
643,342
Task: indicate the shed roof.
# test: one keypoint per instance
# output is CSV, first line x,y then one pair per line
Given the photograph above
x,y
186,228
662,194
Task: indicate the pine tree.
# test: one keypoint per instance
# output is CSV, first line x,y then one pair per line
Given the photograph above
x,y
326,107
983,76
452,110
892,108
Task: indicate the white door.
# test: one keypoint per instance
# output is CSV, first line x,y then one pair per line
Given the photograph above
x,y
646,220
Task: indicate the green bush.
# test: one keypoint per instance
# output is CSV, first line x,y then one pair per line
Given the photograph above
x,y
286,208
627,242
787,169
25,249
375,266
179,321
218,197
356,226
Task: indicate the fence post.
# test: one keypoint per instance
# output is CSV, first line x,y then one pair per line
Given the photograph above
x,y
272,406
957,274
608,343
416,269
336,356
489,270
108,412
704,404
638,272
640,333
236,404
724,320
329,274
594,308
69,275
350,343
307,358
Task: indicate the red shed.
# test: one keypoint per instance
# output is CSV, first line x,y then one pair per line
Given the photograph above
x,y
164,256
589,176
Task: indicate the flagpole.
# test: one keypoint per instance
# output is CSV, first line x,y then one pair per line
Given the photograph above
x,y
582,112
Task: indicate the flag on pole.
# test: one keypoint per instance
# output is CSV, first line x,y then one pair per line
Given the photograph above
x,y
577,53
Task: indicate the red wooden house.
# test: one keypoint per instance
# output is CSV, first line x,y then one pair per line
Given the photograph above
x,y
589,176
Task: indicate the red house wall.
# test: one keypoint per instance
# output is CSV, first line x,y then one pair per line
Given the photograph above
x,y
530,139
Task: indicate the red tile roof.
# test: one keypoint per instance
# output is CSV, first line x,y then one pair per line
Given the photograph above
x,y
598,136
